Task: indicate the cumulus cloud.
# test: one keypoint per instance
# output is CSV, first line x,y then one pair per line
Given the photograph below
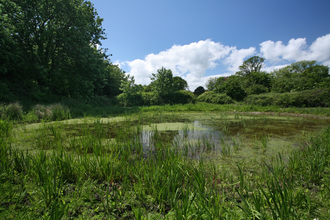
x,y
297,50
192,61
188,61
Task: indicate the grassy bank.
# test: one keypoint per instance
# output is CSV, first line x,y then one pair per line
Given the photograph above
x,y
79,109
78,171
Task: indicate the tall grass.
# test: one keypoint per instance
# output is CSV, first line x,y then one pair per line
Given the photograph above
x,y
90,176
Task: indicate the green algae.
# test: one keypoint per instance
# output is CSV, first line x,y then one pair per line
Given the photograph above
x,y
213,135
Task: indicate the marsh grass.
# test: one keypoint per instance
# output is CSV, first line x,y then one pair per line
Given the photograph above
x,y
77,171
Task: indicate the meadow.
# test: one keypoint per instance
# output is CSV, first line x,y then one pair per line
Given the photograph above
x,y
199,161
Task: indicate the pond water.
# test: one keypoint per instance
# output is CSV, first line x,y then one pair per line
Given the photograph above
x,y
232,136
195,135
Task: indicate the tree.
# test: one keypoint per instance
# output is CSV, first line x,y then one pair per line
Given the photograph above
x,y
163,83
211,83
199,90
179,83
253,64
129,89
298,76
232,87
46,47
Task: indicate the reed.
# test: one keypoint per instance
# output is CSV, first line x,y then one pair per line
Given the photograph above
x,y
78,171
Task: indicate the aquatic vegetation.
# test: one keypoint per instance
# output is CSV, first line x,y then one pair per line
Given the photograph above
x,y
166,165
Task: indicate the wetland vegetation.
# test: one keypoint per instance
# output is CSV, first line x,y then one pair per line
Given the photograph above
x,y
166,165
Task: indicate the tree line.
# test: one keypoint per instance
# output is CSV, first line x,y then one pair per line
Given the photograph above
x,y
250,80
49,49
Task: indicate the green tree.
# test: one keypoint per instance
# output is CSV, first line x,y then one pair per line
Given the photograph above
x,y
46,47
253,64
231,86
179,83
199,90
299,76
211,83
163,83
129,91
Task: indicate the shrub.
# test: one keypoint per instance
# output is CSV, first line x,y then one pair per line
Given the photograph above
x,y
5,128
129,100
217,98
200,89
13,111
42,112
150,98
307,98
182,97
232,86
59,112
256,89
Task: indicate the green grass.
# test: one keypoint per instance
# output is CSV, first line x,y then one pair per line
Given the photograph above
x,y
77,170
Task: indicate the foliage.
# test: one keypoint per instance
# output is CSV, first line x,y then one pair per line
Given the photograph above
x,y
128,101
129,92
48,47
299,76
216,98
253,64
231,86
256,89
121,176
199,90
179,83
59,112
308,98
163,83
182,97
150,98
211,83
258,78
12,111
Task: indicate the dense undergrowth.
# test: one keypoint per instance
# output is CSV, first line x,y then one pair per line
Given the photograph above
x,y
71,108
87,178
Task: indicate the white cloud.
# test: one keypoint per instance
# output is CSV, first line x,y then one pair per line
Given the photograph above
x,y
188,61
297,50
117,62
236,58
193,60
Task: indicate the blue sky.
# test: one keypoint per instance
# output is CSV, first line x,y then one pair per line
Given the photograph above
x,y
201,39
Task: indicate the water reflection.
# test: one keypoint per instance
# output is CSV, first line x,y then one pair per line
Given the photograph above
x,y
257,135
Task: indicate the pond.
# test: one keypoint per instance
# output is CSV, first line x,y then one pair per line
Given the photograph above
x,y
194,135
235,136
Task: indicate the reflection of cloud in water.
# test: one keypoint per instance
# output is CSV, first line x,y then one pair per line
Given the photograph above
x,y
243,136
195,134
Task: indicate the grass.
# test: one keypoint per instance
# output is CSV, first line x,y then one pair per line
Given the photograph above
x,y
94,169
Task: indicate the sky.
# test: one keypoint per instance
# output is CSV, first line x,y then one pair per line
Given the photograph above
x,y
199,39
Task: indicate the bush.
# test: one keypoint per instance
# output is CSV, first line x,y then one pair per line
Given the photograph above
x,y
5,128
182,97
13,111
200,89
42,112
256,89
232,86
59,112
129,100
307,98
54,112
216,98
150,98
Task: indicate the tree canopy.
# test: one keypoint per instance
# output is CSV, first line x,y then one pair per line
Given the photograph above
x,y
48,47
253,64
